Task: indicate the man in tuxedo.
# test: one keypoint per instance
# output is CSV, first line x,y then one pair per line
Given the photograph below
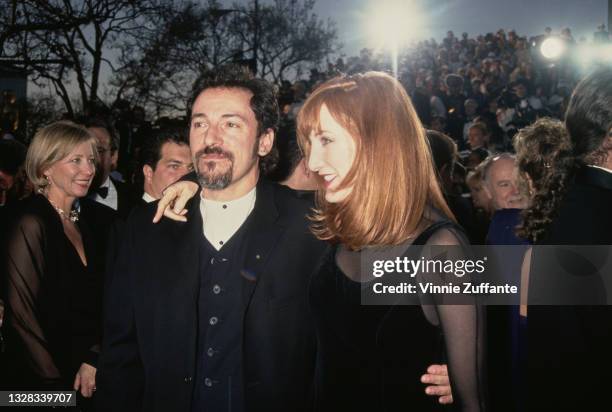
x,y
164,161
104,189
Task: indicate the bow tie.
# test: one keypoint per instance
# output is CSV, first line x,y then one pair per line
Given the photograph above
x,y
102,192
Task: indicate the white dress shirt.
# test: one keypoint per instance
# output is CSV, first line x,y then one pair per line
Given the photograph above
x,y
111,199
222,219
148,198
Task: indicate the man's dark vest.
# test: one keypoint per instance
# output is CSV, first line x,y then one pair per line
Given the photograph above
x,y
218,383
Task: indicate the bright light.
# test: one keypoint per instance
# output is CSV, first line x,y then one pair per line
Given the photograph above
x,y
552,48
585,56
606,53
392,23
588,55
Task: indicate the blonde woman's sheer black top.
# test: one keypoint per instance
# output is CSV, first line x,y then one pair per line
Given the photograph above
x,y
53,299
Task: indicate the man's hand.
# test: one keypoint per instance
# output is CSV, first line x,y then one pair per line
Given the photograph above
x,y
85,380
438,383
172,203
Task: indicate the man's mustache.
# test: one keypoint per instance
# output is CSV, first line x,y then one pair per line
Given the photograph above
x,y
214,150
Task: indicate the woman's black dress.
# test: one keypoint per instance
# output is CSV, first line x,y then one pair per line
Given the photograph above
x,y
371,358
54,301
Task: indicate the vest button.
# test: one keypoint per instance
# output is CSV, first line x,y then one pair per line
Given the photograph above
x,y
188,379
213,320
208,382
210,352
216,289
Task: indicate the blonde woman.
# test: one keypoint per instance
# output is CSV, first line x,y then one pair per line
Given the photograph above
x,y
54,268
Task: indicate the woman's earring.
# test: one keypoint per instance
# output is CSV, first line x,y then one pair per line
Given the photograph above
x,y
43,189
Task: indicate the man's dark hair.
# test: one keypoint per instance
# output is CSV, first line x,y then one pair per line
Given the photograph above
x,y
453,80
289,152
152,151
443,149
102,123
589,116
263,103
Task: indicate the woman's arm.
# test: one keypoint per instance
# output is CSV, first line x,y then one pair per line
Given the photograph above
x,y
463,326
26,271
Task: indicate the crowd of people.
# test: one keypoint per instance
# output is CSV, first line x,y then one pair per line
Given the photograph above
x,y
248,295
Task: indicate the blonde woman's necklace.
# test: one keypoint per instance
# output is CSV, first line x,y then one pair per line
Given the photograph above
x,y
73,216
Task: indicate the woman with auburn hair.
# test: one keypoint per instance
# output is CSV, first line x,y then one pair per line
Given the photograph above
x,y
55,268
385,178
379,197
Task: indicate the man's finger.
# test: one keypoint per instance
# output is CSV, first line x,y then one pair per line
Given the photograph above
x,y
77,382
438,370
446,400
87,389
435,379
86,392
438,390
